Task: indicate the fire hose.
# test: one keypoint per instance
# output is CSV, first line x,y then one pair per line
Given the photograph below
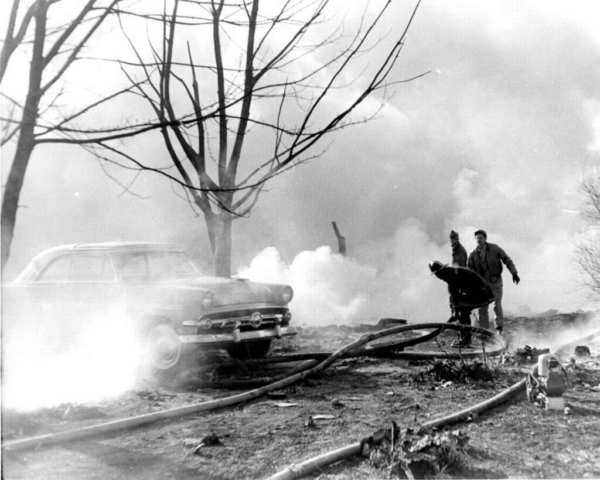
x,y
301,469
310,369
386,350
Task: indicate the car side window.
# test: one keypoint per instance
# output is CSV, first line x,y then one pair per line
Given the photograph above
x,y
91,268
134,267
57,271
168,265
79,268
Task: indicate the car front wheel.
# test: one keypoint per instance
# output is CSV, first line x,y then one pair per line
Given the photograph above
x,y
163,348
249,350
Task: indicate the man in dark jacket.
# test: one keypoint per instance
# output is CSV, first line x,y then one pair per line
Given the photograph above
x,y
467,291
487,260
459,254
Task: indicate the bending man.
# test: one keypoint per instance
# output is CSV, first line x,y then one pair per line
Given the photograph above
x,y
467,291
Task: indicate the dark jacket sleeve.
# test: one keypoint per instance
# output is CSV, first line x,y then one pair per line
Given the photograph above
x,y
460,258
507,261
471,261
497,257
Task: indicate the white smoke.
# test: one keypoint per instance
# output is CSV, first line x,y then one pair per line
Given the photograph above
x,y
43,368
328,287
334,289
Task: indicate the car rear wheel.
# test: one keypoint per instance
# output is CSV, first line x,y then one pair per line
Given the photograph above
x,y
249,350
163,348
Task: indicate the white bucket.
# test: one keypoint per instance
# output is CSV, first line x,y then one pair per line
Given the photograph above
x,y
544,364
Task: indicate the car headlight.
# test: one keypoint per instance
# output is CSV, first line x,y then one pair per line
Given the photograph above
x,y
208,300
287,295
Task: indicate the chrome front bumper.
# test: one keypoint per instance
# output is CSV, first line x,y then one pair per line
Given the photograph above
x,y
238,336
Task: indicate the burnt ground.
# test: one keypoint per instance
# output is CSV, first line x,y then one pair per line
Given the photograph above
x,y
347,402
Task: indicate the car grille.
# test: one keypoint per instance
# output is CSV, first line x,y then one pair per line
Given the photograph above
x,y
227,321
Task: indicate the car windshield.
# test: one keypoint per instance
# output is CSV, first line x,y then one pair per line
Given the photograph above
x,y
155,266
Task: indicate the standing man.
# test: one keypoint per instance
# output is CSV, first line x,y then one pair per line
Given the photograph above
x,y
487,260
459,254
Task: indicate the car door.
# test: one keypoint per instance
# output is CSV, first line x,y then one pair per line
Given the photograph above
x,y
72,296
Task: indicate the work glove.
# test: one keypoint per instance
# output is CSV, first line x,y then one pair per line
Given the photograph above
x,y
516,278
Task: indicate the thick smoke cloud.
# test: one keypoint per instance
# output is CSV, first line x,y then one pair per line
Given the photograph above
x,y
494,137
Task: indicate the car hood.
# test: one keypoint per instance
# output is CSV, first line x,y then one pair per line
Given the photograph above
x,y
232,291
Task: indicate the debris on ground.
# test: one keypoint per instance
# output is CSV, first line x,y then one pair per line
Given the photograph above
x,y
209,440
449,371
383,324
418,453
426,454
324,417
311,421
582,351
276,395
76,411
525,355
155,396
584,377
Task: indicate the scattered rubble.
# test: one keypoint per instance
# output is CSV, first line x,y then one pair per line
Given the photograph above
x,y
155,396
418,453
209,440
276,395
76,412
448,371
582,351
525,355
583,377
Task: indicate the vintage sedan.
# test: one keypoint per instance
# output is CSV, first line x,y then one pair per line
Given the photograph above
x,y
173,308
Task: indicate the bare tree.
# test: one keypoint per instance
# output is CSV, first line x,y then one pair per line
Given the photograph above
x,y
53,48
275,76
588,250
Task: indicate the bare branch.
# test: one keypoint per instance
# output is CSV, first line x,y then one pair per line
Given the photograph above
x,y
12,42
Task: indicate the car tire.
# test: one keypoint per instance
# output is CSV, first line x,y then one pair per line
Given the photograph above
x,y
249,350
163,350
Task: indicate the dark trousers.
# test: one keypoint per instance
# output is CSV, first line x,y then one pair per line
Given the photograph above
x,y
464,318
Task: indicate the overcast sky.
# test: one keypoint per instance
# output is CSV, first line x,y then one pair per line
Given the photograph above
x,y
496,136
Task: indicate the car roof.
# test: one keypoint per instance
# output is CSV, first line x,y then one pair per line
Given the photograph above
x,y
120,247
40,260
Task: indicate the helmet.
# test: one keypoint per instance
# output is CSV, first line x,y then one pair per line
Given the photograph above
x,y
435,266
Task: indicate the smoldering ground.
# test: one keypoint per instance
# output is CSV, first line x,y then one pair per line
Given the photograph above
x,y
494,137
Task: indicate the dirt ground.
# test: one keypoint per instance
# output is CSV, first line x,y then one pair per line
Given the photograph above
x,y
349,401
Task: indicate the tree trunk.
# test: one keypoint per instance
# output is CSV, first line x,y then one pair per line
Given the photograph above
x,y
12,191
219,232
26,143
